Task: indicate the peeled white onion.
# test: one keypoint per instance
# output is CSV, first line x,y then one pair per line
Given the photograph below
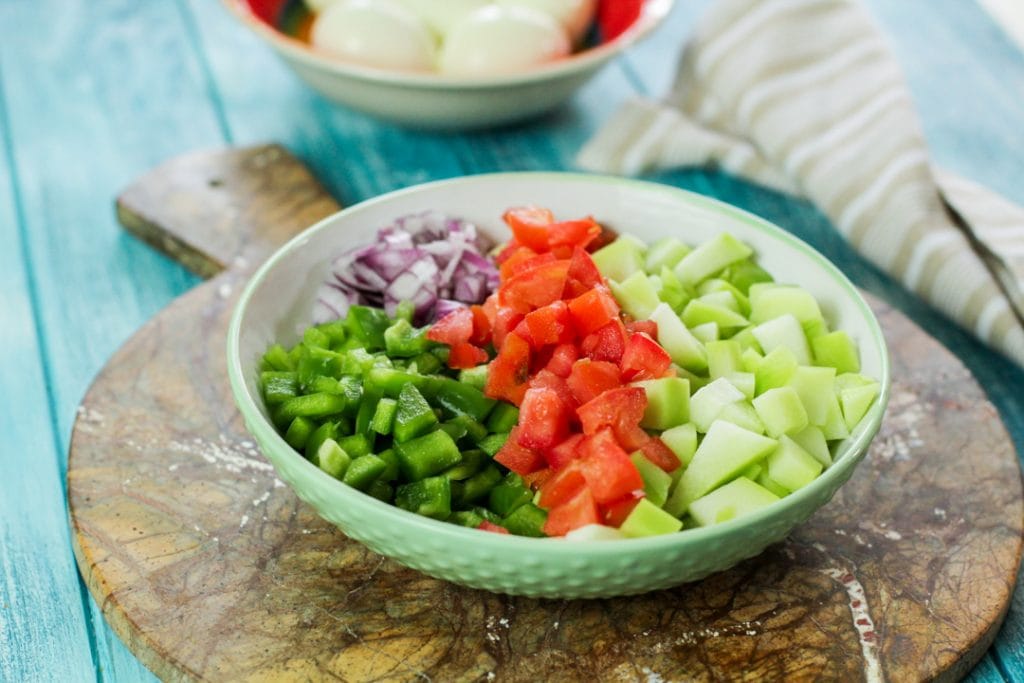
x,y
379,33
502,39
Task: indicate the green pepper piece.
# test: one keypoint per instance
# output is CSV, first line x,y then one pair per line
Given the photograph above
x,y
462,399
368,324
486,514
356,445
384,416
474,377
328,430
427,455
332,459
405,341
471,463
431,497
391,458
364,416
479,485
526,520
312,405
363,471
405,310
467,518
413,415
456,430
389,382
278,386
299,432
297,353
381,490
352,390
503,418
427,363
276,358
314,338
319,362
492,443
508,495
335,331
357,362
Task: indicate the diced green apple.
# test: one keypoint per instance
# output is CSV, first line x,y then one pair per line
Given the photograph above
x,y
636,295
767,482
856,401
785,332
737,498
775,369
769,301
647,519
816,387
791,466
621,258
747,341
724,357
744,381
682,441
835,425
743,415
813,441
656,480
672,291
719,285
668,402
781,411
711,257
725,452
836,350
665,253
708,332
751,360
700,311
745,274
709,401
679,342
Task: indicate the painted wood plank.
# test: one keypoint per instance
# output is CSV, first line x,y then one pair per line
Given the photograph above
x,y
130,94
1010,15
44,633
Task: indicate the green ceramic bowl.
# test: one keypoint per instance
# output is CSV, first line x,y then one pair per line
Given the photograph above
x,y
277,303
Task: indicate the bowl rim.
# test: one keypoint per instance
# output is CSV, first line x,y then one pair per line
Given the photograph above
x,y
852,454
654,12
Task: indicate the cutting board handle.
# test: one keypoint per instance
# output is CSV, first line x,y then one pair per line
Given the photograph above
x,y
231,208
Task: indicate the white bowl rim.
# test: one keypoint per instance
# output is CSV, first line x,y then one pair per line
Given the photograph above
x,y
652,15
454,533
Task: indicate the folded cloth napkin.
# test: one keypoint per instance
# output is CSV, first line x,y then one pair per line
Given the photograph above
x,y
804,96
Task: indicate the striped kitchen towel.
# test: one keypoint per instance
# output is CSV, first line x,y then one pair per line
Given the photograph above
x,y
805,96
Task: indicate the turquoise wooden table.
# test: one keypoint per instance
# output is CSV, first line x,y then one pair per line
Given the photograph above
x,y
93,94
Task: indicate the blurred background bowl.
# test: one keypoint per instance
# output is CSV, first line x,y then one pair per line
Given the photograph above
x,y
433,100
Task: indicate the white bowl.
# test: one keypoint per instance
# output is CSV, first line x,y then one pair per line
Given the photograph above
x,y
435,101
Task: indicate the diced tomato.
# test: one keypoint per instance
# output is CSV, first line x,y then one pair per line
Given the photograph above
x,y
609,472
616,512
506,252
523,261
578,511
615,16
543,418
523,330
509,372
490,308
661,455
534,480
481,326
565,452
505,320
519,458
561,486
607,343
492,527
593,309
454,328
550,325
621,409
590,379
582,276
643,358
562,358
463,356
535,287
578,233
648,327
529,226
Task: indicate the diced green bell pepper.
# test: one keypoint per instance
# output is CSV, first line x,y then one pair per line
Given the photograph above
x,y
363,471
474,377
402,340
278,386
314,338
472,461
526,520
328,430
312,405
356,445
319,362
508,495
492,443
384,416
479,485
391,459
381,490
368,324
277,358
430,497
466,518
413,415
299,432
332,459
427,455
503,418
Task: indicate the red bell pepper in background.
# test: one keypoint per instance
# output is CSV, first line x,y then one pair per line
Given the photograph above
x,y
578,511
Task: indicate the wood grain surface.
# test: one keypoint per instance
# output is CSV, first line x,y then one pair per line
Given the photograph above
x,y
210,569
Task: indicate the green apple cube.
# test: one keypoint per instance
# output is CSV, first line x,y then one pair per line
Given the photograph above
x,y
709,401
791,466
682,441
836,350
636,295
752,472
711,257
848,380
767,482
696,381
668,402
621,258
785,332
751,360
775,370
665,253
781,411
656,480
737,498
812,440
647,519
856,401
744,381
814,328
743,415
725,451
671,290
708,332
332,458
816,388
747,341
835,425
717,285
724,357
721,298
700,311
679,342
745,274
770,301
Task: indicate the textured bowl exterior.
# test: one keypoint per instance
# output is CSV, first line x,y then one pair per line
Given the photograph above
x,y
553,568
438,102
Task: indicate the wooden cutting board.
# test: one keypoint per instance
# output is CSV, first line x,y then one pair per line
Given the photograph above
x,y
209,568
